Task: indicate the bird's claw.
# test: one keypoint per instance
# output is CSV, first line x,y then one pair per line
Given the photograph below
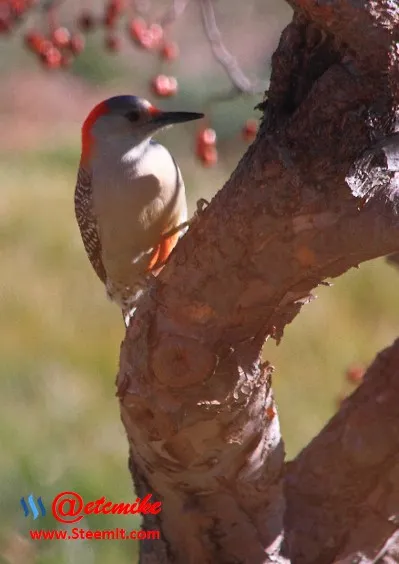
x,y
182,227
202,203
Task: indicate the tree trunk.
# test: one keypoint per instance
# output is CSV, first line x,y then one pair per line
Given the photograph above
x,y
314,195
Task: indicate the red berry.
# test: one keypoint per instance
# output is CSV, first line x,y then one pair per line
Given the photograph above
x,y
147,37
206,150
86,21
207,136
44,46
112,43
169,51
113,10
250,129
109,20
33,40
116,6
208,155
5,25
355,374
136,28
77,43
156,34
163,85
51,58
172,86
61,37
5,18
18,7
146,40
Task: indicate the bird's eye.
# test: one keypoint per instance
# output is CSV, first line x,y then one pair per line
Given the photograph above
x,y
133,115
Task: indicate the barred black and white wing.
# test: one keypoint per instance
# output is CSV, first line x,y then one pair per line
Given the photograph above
x,y
87,222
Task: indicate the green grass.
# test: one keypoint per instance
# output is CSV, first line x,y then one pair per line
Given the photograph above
x,y
59,346
348,324
59,342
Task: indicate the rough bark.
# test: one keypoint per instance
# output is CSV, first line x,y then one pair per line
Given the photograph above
x,y
342,491
313,196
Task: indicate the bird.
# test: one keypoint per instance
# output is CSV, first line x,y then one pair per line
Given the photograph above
x,y
130,201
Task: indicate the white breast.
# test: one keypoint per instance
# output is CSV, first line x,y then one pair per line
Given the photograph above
x,y
137,196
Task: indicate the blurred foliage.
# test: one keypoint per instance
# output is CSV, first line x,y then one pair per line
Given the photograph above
x,y
98,70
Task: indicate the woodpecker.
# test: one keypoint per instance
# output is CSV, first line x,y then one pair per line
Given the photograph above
x,y
130,198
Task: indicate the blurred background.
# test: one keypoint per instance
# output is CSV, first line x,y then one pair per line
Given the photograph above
x,y
59,337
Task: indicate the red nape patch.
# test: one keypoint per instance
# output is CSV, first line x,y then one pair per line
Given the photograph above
x,y
88,123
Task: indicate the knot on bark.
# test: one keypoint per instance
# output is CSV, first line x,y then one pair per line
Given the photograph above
x,y
180,361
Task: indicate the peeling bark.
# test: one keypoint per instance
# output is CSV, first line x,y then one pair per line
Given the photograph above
x,y
313,196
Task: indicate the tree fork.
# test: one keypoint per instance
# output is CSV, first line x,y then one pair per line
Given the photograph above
x,y
312,197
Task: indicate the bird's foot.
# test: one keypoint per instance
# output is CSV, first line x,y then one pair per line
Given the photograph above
x,y
202,203
182,227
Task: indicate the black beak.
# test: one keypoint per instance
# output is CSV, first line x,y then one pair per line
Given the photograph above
x,y
170,118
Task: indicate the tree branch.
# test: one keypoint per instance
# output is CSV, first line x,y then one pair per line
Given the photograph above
x,y
174,12
196,399
223,56
342,491
367,29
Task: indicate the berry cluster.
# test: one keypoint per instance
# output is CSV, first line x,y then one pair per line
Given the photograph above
x,y
57,49
12,13
206,141
206,146
58,46
163,85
